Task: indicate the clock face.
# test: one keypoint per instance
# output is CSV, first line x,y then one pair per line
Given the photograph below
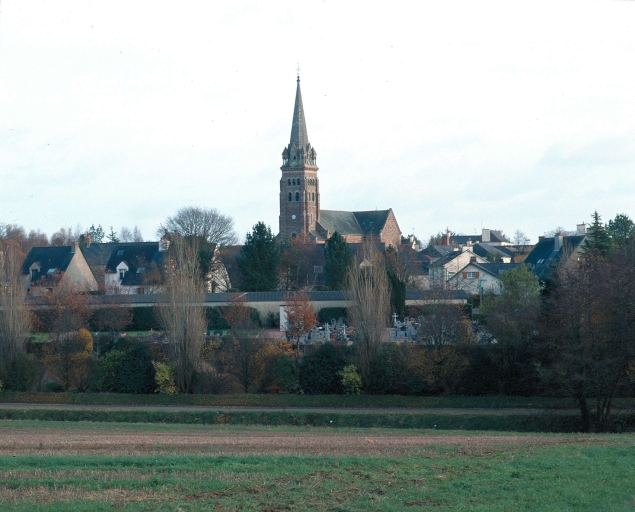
x,y
293,217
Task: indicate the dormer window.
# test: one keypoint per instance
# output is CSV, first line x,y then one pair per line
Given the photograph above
x,y
34,272
122,273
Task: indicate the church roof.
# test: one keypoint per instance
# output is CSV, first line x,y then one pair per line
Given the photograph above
x,y
354,223
299,135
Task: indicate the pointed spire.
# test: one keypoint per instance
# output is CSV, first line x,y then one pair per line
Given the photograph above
x,y
298,128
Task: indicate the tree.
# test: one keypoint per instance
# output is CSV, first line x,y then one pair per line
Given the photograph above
x,y
319,370
338,257
96,234
369,289
259,259
590,327
241,358
598,239
127,370
300,315
65,236
512,319
66,359
520,238
207,223
621,230
65,308
182,311
15,318
296,270
113,237
398,275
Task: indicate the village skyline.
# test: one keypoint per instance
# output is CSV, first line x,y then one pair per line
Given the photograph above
x,y
502,119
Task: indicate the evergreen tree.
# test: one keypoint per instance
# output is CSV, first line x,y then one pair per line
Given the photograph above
x,y
259,259
621,229
113,237
598,240
338,256
96,234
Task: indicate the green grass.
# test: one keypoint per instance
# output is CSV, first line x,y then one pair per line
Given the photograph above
x,y
265,400
577,476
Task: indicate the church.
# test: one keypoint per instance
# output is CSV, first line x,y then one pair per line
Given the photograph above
x,y
300,212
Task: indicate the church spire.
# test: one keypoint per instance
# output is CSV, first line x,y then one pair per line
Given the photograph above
x,y
298,128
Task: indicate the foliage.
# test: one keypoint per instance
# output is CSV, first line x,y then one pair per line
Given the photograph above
x,y
351,380
259,260
338,257
242,359
96,234
22,374
66,308
164,379
15,319
113,237
130,370
296,270
280,368
206,223
66,359
111,318
300,315
369,289
598,239
325,315
397,295
621,230
145,319
318,370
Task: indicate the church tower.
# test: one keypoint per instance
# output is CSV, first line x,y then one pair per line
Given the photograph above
x,y
299,185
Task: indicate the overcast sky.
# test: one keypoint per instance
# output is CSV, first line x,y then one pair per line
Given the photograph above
x,y
454,114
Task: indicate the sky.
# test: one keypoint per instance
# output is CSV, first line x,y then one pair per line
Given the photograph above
x,y
460,115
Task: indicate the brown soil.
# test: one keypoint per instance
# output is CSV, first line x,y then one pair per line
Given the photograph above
x,y
222,441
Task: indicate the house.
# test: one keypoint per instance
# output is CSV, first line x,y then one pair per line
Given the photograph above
x,y
549,251
441,270
480,277
46,267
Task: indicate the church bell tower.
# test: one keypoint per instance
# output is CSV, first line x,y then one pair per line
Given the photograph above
x,y
299,185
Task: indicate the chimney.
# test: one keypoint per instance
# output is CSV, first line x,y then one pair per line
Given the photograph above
x,y
581,229
88,240
485,235
75,247
445,239
557,242
164,244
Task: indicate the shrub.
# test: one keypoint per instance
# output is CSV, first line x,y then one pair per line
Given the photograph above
x,y
164,379
351,380
144,319
22,374
326,314
281,376
318,370
127,371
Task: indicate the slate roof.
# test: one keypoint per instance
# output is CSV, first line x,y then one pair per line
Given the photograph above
x,y
543,258
49,258
98,254
495,268
354,223
136,255
484,250
463,239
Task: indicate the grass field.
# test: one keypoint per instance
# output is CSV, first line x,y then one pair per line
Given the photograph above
x,y
84,466
266,400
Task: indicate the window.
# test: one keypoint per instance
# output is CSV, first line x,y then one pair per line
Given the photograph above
x,y
120,252
297,196
471,275
122,273
33,274
288,182
294,181
290,196
313,197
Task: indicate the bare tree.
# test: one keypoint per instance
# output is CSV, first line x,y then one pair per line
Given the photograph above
x,y
369,289
209,224
182,311
66,236
520,238
128,235
15,319
300,314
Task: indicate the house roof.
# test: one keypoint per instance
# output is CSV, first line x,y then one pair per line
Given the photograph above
x,y
495,268
50,259
98,254
463,239
544,257
138,256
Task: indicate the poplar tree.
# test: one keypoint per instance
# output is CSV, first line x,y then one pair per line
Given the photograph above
x,y
338,256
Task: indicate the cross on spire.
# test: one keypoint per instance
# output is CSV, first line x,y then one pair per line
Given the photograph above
x,y
298,69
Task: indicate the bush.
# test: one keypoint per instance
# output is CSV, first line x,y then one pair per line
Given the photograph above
x,y
281,376
22,374
127,371
326,314
318,370
164,379
215,319
145,319
273,320
351,380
